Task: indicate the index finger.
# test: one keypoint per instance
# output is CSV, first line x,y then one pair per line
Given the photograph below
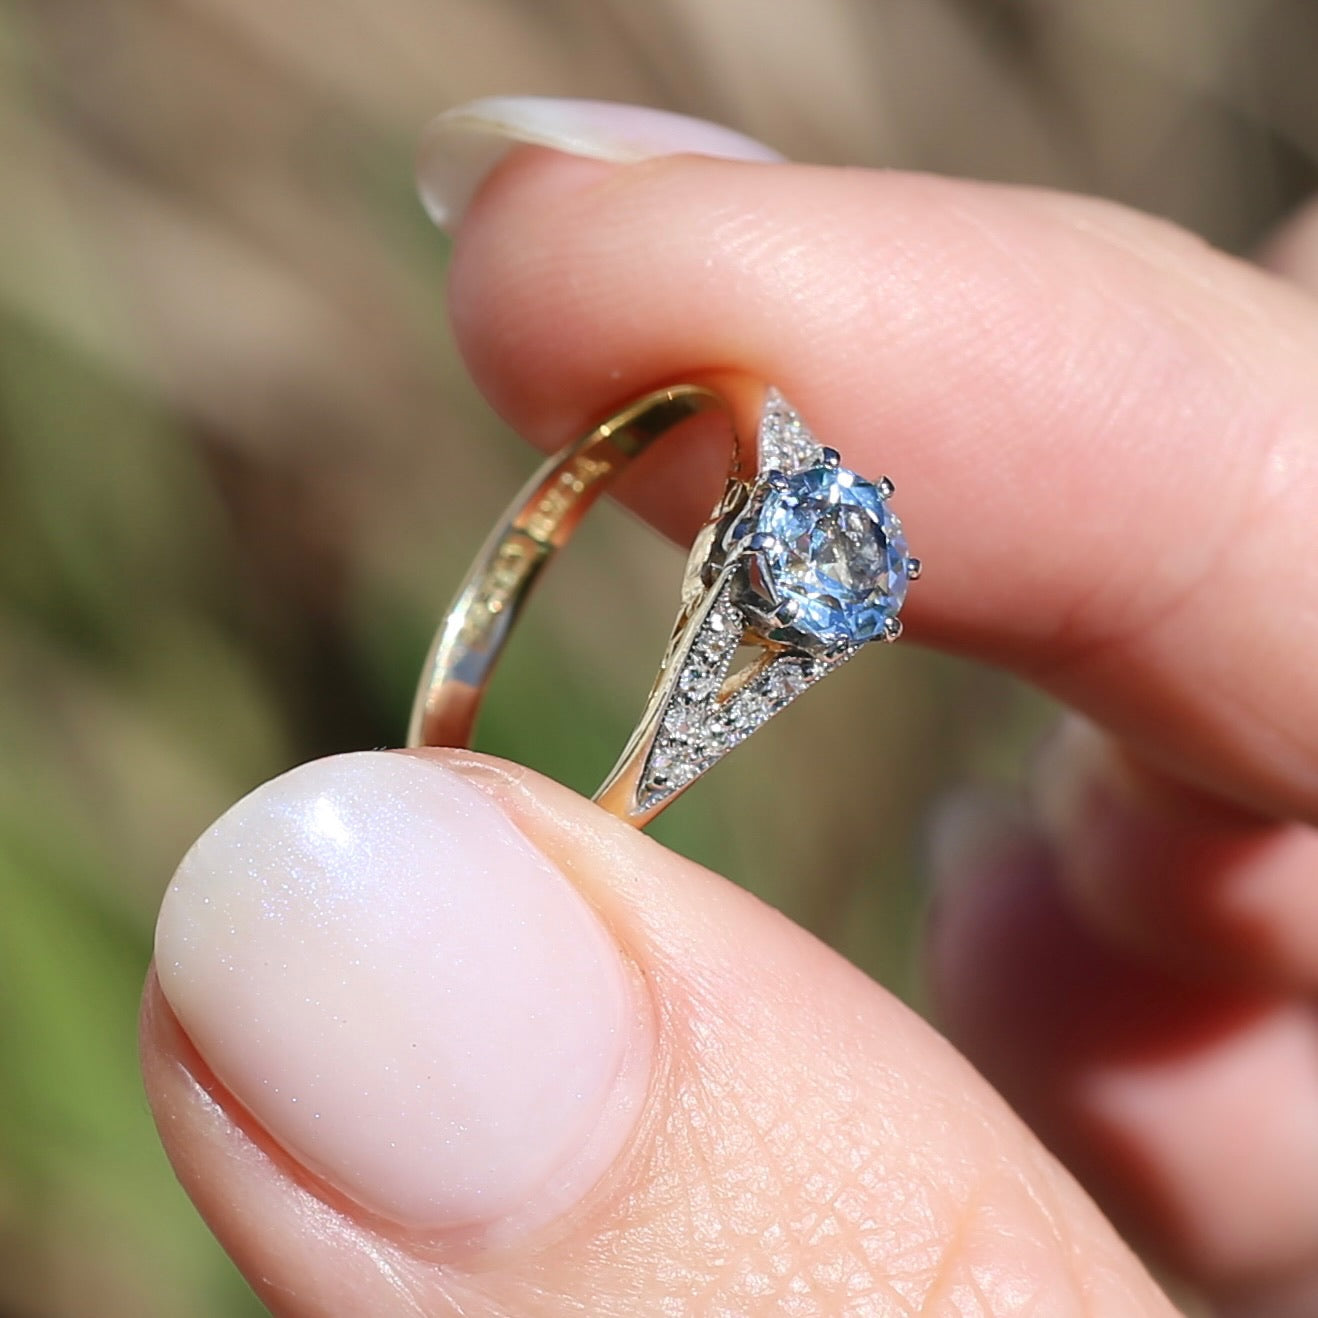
x,y
1103,432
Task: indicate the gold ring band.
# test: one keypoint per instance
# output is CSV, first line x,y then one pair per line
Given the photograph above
x,y
699,708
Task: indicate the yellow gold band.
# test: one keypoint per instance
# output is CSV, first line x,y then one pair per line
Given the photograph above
x,y
538,523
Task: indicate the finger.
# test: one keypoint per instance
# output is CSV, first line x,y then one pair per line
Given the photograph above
x,y
1160,877
434,1036
1190,1110
1102,432
1173,875
1292,251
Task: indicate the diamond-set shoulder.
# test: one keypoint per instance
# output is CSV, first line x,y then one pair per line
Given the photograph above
x,y
702,720
784,442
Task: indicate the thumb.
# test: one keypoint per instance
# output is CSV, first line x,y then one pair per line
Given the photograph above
x,y
428,1035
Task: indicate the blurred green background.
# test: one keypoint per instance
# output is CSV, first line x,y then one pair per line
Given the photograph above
x,y
232,426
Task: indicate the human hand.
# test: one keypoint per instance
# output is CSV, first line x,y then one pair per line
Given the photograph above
x,y
375,972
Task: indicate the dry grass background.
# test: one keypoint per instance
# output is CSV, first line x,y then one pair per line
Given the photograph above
x,y
232,426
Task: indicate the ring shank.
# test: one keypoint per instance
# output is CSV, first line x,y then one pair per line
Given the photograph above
x,y
539,522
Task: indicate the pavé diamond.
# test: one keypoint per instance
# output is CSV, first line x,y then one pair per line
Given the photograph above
x,y
785,680
785,441
699,683
683,721
837,553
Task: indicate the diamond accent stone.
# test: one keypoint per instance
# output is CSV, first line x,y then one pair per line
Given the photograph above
x,y
784,681
682,721
698,683
700,724
786,443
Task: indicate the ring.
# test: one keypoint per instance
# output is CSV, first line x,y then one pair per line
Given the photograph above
x,y
801,564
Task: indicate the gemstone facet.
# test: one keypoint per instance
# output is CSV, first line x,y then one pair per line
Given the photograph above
x,y
834,551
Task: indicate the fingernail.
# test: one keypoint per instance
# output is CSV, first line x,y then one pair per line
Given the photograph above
x,y
1075,777
463,145
405,994
974,832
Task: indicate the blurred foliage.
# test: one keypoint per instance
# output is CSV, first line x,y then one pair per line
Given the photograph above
x,y
231,423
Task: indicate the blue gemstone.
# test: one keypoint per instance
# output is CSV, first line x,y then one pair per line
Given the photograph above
x,y
838,552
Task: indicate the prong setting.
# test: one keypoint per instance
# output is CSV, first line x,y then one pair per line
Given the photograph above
x,y
811,566
761,598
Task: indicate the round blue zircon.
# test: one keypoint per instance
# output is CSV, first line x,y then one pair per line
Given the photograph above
x,y
836,552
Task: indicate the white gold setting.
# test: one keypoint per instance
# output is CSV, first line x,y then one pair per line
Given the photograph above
x,y
705,706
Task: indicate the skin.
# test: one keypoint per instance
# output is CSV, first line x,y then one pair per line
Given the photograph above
x,y
1128,957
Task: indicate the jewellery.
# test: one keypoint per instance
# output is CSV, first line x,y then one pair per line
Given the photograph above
x,y
802,560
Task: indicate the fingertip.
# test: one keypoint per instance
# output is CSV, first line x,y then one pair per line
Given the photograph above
x,y
1132,1073
803,1133
1171,874
376,915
